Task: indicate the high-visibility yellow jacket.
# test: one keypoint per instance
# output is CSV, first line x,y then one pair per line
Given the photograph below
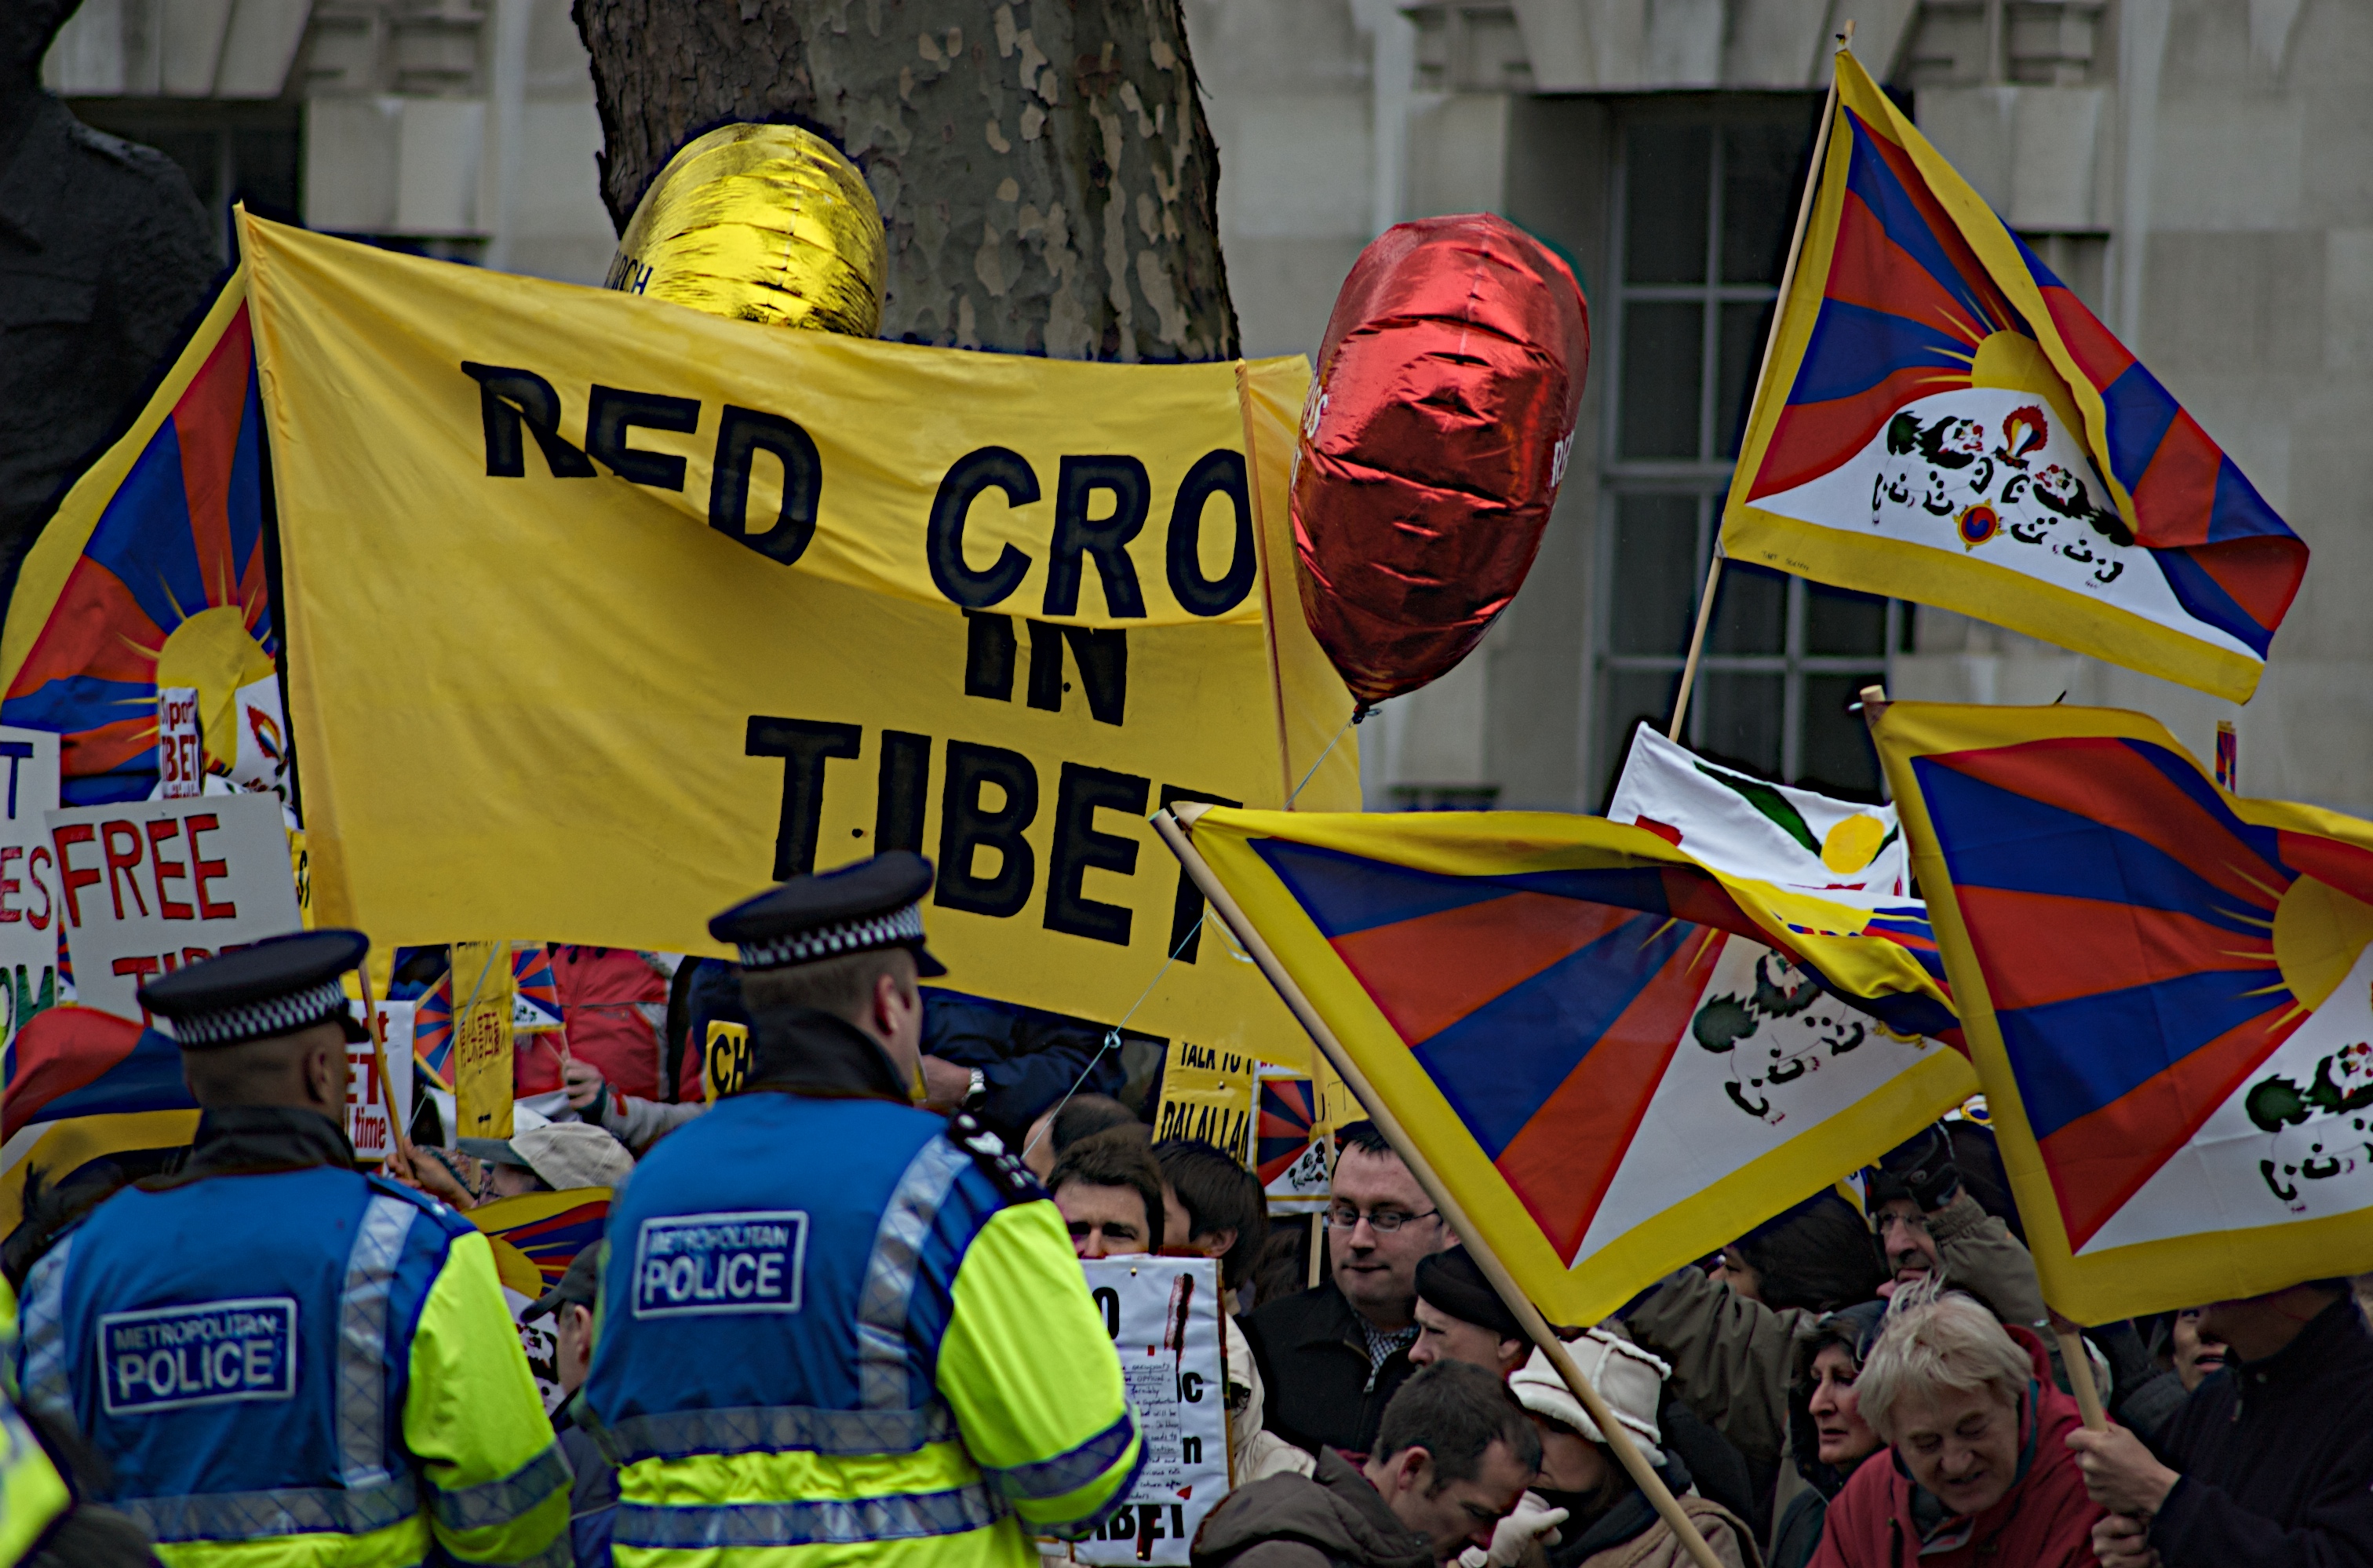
x,y
308,1368
838,1330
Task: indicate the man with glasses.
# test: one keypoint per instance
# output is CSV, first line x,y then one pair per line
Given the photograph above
x,y
1332,1358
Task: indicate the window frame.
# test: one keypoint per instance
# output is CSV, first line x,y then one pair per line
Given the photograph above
x,y
1706,478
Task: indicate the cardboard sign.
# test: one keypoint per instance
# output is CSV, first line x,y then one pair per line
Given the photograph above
x,y
149,885
1206,1094
181,744
29,927
1164,1314
366,1126
484,993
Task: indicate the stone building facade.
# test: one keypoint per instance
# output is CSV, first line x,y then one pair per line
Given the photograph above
x,y
2201,171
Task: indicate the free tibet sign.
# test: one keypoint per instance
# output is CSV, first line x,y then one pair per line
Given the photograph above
x,y
149,885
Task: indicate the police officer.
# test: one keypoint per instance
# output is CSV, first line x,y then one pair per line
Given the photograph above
x,y
286,1361
835,1328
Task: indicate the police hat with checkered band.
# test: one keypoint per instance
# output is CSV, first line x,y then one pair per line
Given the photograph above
x,y
873,904
274,987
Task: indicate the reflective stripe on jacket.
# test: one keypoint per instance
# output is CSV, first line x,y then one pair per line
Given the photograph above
x,y
302,1367
825,1325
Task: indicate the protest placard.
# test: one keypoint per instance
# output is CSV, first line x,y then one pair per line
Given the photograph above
x,y
1206,1094
28,932
181,744
1163,1316
149,885
724,1058
485,992
366,1124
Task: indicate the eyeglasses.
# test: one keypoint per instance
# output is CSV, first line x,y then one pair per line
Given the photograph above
x,y
1384,1221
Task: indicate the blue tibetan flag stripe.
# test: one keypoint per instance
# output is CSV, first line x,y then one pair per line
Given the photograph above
x,y
1560,1012
1975,820
2073,1057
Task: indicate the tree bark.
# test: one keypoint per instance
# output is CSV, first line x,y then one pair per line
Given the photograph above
x,y
1047,179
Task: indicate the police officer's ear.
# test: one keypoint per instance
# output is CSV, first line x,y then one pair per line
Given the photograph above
x,y
324,1068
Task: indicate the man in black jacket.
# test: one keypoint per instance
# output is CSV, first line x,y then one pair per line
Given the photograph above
x,y
2270,1465
1332,1358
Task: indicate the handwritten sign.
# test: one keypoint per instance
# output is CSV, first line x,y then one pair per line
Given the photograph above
x,y
366,1124
29,924
1163,1316
181,743
149,885
483,995
1206,1094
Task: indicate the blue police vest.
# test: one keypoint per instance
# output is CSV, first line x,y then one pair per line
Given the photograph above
x,y
778,1277
237,1349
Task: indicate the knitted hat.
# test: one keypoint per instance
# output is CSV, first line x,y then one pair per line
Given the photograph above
x,y
1629,1379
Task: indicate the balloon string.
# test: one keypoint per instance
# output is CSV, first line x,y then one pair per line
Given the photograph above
x,y
1315,767
1112,1035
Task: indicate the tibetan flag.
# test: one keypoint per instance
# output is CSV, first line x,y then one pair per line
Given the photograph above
x,y
549,1228
2167,994
1617,1059
1943,421
85,1087
152,573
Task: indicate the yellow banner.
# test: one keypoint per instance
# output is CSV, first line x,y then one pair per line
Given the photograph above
x,y
482,1038
724,1058
566,665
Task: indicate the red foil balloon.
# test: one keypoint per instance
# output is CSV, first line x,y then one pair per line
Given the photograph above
x,y
1432,444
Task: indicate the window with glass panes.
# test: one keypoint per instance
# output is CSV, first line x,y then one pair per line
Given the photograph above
x,y
1705,197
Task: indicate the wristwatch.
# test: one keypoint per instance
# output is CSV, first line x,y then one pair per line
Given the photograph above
x,y
975,1091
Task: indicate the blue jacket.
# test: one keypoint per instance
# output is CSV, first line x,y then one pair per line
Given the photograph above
x,y
294,1350
831,1331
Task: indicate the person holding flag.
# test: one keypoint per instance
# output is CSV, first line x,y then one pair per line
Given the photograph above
x,y
2271,1460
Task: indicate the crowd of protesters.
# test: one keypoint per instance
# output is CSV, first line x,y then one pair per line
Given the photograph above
x,y
1869,1380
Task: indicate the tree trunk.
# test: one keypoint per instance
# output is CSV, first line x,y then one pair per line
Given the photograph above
x,y
1045,172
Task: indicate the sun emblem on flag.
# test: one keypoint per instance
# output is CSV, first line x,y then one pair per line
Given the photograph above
x,y
1976,524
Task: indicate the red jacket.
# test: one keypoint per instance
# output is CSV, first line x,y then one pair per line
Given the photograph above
x,y
615,1004
2045,1521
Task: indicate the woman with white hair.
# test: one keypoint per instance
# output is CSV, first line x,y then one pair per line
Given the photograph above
x,y
1980,1471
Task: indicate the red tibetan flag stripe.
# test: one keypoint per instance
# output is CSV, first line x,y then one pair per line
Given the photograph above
x,y
206,420
2041,948
2100,1161
1428,973
1561,1162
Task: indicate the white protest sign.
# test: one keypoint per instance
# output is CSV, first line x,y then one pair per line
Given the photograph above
x,y
366,1125
149,885
1164,1314
28,932
181,743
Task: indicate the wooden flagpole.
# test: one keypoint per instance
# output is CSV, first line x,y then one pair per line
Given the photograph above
x,y
2073,1354
1172,825
1778,311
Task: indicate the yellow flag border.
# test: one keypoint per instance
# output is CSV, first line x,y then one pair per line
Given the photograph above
x,y
1981,589
2122,1281
1688,1230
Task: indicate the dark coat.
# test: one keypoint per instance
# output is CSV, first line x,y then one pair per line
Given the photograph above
x,y
1330,1519
104,251
2277,1457
1313,1363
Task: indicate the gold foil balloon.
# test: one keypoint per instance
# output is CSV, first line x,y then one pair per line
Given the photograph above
x,y
759,223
